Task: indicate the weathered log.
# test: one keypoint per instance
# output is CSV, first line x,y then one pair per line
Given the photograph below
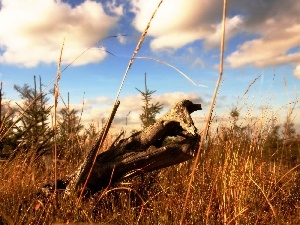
x,y
171,140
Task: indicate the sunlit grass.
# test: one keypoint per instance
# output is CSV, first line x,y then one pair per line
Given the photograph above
x,y
239,180
245,175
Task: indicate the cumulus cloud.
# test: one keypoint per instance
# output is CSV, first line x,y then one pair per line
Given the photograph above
x,y
130,107
297,72
233,25
32,32
176,24
271,49
114,8
276,27
272,26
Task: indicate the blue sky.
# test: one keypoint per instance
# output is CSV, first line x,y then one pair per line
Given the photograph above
x,y
262,39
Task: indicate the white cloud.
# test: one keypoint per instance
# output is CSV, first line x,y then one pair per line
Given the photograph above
x,y
272,25
198,63
99,100
114,8
179,23
122,39
175,25
297,72
169,99
33,31
130,107
271,49
233,25
276,27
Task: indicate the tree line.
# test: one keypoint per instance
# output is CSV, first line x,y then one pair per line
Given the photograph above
x,y
28,126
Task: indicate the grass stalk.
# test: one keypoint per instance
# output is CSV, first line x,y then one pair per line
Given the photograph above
x,y
56,94
173,67
102,139
266,197
137,48
209,113
208,210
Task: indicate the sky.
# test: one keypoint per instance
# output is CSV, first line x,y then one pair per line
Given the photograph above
x,y
180,55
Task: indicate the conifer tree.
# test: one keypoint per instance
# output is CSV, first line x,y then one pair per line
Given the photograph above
x,y
69,128
150,110
33,130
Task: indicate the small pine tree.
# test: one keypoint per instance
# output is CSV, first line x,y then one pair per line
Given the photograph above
x,y
150,110
69,129
33,130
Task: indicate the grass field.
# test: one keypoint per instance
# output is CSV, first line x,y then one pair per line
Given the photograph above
x,y
248,172
241,178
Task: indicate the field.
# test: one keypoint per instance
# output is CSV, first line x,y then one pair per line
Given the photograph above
x,y
247,172
245,175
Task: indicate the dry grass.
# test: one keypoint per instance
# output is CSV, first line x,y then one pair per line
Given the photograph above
x,y
239,179
236,182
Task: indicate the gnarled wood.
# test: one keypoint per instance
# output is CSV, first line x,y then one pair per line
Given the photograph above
x,y
171,140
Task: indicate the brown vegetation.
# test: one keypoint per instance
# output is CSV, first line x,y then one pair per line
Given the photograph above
x,y
245,174
242,178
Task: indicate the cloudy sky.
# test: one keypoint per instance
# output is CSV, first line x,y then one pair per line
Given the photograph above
x,y
262,41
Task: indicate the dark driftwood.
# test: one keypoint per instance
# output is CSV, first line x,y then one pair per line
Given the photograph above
x,y
171,140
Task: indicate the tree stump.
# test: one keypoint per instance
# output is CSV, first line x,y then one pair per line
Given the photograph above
x,y
170,140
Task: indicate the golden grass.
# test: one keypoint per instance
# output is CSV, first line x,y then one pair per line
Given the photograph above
x,y
236,179
208,121
236,182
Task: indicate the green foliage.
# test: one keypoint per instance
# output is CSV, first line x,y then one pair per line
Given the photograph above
x,y
150,110
34,133
28,129
69,140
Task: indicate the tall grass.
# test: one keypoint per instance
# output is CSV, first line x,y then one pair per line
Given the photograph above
x,y
237,181
239,177
208,121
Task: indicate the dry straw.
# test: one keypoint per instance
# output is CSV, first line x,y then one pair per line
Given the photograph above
x,y
209,113
56,94
141,40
